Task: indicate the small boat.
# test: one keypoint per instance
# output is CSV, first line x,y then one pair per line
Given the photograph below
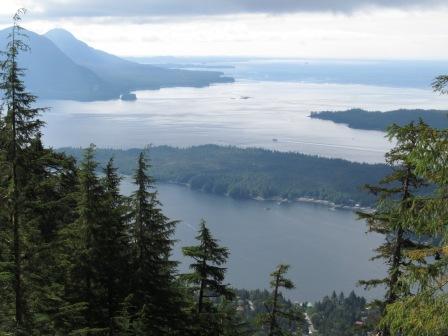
x,y
275,140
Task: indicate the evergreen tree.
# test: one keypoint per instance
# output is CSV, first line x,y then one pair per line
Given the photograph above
x,y
424,312
397,193
208,275
32,200
206,280
280,320
86,245
336,315
49,207
157,301
231,321
113,245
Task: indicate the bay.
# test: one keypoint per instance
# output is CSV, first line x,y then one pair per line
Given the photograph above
x,y
327,249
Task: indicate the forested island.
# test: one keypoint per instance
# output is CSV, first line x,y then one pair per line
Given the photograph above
x,y
253,173
379,121
77,257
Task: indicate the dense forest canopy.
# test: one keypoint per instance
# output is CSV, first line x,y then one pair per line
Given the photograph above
x,y
380,121
253,172
340,315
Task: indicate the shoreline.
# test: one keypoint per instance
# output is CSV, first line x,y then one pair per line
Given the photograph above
x,y
279,200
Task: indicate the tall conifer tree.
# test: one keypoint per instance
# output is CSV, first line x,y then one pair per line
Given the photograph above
x,y
155,294
85,283
279,320
206,281
208,274
425,311
114,246
20,128
396,197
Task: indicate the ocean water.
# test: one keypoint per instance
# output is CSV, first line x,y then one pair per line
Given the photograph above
x,y
327,249
271,115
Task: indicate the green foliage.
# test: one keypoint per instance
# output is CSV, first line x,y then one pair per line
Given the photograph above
x,y
208,275
423,313
337,315
206,283
231,321
420,315
251,173
417,273
397,193
32,206
280,319
380,121
156,295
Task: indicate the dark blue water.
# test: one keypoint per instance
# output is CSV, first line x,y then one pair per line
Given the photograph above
x,y
327,249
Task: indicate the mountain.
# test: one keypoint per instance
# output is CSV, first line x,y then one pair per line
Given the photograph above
x,y
61,67
127,75
51,74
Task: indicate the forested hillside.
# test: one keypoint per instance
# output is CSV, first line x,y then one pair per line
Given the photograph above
x,y
340,315
379,121
79,258
251,173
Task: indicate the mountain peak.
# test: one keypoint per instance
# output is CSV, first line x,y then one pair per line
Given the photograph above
x,y
59,33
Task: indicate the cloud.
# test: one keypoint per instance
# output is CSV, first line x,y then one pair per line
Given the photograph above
x,y
151,8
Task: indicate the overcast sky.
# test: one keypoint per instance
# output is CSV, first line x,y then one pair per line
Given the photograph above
x,y
360,29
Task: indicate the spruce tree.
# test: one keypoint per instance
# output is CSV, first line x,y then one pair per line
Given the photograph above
x,y
20,127
84,286
396,193
206,282
425,311
113,245
157,303
49,208
279,319
208,274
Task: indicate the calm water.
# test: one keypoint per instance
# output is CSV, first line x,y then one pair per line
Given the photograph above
x,y
327,249
219,114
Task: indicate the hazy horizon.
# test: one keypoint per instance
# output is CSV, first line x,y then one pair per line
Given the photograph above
x,y
334,30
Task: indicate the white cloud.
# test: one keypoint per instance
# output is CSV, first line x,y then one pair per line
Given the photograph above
x,y
151,8
372,34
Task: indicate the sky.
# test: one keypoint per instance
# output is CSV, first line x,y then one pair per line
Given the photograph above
x,y
335,29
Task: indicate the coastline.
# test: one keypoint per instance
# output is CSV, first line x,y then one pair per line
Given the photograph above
x,y
280,200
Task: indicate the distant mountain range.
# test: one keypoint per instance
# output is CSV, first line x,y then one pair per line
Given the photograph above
x,y
59,66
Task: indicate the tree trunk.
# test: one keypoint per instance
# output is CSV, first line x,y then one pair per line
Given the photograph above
x,y
397,255
201,289
15,211
273,322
